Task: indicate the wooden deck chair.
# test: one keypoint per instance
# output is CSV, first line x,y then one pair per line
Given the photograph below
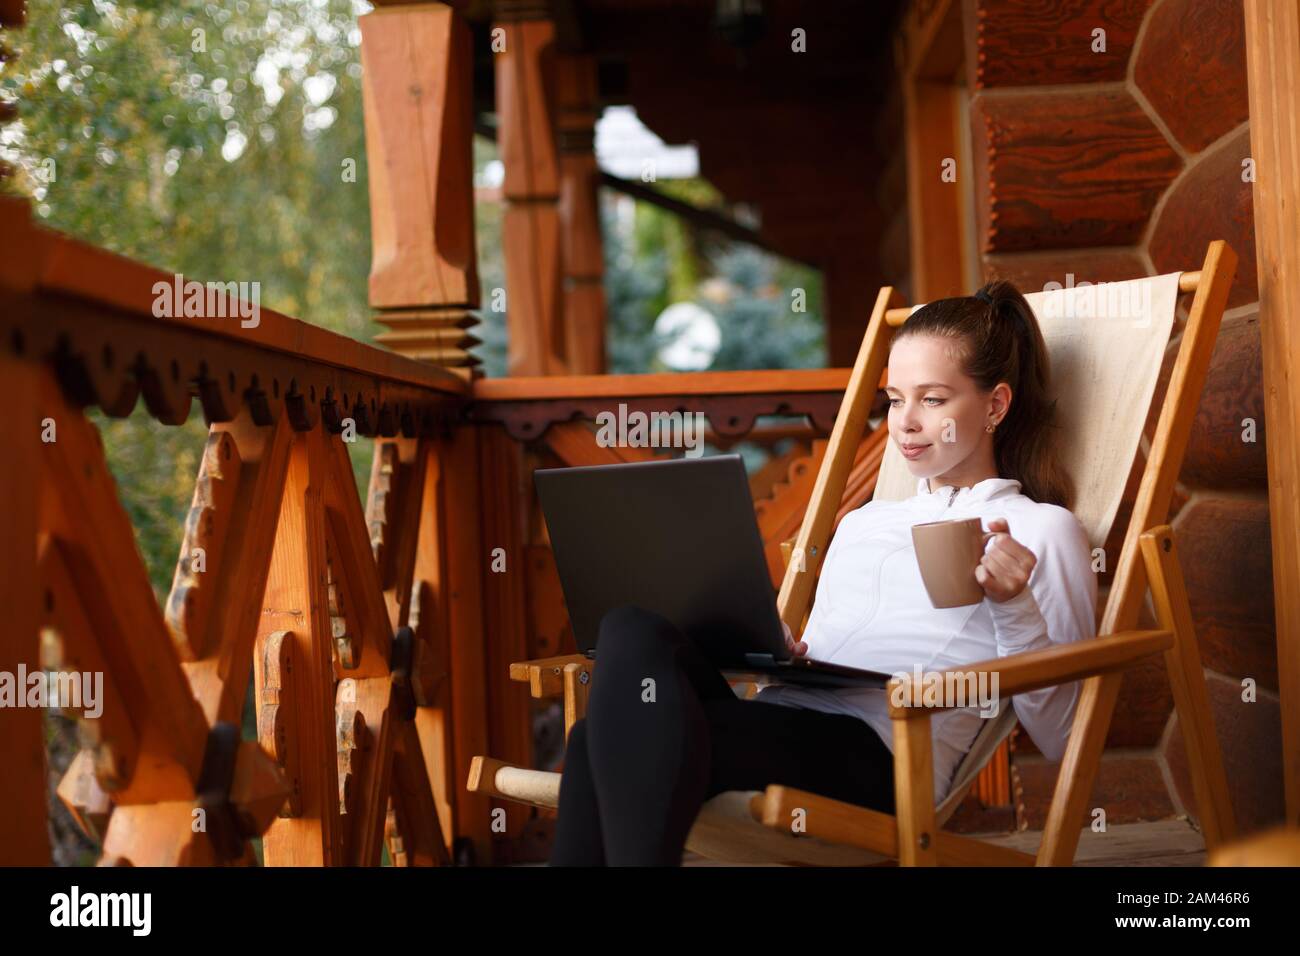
x,y
1106,349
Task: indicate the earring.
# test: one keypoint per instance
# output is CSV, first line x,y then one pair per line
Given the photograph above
x,y
990,426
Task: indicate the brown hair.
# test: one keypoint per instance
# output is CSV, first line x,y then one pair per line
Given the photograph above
x,y
997,339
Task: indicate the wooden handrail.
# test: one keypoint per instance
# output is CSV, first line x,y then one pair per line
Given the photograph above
x,y
531,388
91,314
68,266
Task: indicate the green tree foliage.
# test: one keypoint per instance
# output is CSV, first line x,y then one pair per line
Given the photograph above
x,y
226,142
221,141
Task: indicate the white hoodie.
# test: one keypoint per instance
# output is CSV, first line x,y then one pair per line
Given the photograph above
x,y
871,611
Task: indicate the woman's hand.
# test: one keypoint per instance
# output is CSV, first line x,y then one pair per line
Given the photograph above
x,y
1004,570
796,648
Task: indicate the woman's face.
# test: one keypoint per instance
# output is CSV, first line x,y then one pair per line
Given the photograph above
x,y
938,415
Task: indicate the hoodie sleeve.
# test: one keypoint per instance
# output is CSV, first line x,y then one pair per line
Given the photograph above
x,y
1057,607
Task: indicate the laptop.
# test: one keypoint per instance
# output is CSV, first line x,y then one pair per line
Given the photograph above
x,y
677,537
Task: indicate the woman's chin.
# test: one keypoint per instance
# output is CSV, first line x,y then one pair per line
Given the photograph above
x,y
919,469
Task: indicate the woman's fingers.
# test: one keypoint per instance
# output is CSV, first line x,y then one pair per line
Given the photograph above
x,y
796,647
1003,573
993,584
1007,548
1003,565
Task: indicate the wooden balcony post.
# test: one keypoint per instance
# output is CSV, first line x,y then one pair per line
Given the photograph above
x,y
419,139
23,838
506,489
1273,75
531,228
457,583
582,253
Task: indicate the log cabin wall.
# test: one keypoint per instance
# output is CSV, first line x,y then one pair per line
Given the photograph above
x,y
1104,166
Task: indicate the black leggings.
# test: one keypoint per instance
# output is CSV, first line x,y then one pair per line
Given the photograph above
x,y
664,732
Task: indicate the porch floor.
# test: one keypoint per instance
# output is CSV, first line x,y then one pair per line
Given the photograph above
x,y
1172,842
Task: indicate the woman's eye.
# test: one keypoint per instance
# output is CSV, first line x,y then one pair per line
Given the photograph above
x,y
895,402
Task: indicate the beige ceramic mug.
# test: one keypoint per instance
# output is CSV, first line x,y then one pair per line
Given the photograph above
x,y
948,553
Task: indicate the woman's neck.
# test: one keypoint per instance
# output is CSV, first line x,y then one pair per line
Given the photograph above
x,y
966,475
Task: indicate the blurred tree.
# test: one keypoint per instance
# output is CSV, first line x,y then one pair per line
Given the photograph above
x,y
226,142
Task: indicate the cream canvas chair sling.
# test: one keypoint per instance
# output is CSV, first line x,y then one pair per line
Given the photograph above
x,y
1106,347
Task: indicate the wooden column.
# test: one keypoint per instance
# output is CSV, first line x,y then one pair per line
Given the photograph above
x,y
419,139
459,589
931,40
23,837
583,255
506,490
531,229
1273,74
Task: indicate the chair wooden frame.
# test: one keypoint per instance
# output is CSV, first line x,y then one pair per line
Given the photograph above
x,y
1148,560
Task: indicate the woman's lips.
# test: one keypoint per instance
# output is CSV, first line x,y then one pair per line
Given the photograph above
x,y
913,453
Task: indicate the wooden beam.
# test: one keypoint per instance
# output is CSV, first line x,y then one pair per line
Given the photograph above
x,y
434,746
68,267
939,207
523,388
23,835
583,254
219,680
393,518
505,490
1273,76
80,507
531,225
110,740
704,219
458,587
296,605
357,570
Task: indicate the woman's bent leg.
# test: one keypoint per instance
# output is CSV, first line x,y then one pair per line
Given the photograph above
x,y
577,832
648,736
756,743
665,732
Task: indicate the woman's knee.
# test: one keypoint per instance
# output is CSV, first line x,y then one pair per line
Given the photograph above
x,y
630,630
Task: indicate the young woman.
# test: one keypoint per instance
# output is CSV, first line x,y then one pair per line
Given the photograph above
x,y
969,409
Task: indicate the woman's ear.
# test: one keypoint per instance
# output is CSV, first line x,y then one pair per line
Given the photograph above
x,y
1001,400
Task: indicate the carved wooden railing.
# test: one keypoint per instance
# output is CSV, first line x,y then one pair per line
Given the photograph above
x,y
342,617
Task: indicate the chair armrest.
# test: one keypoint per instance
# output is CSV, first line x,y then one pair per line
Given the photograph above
x,y
1032,670
545,676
